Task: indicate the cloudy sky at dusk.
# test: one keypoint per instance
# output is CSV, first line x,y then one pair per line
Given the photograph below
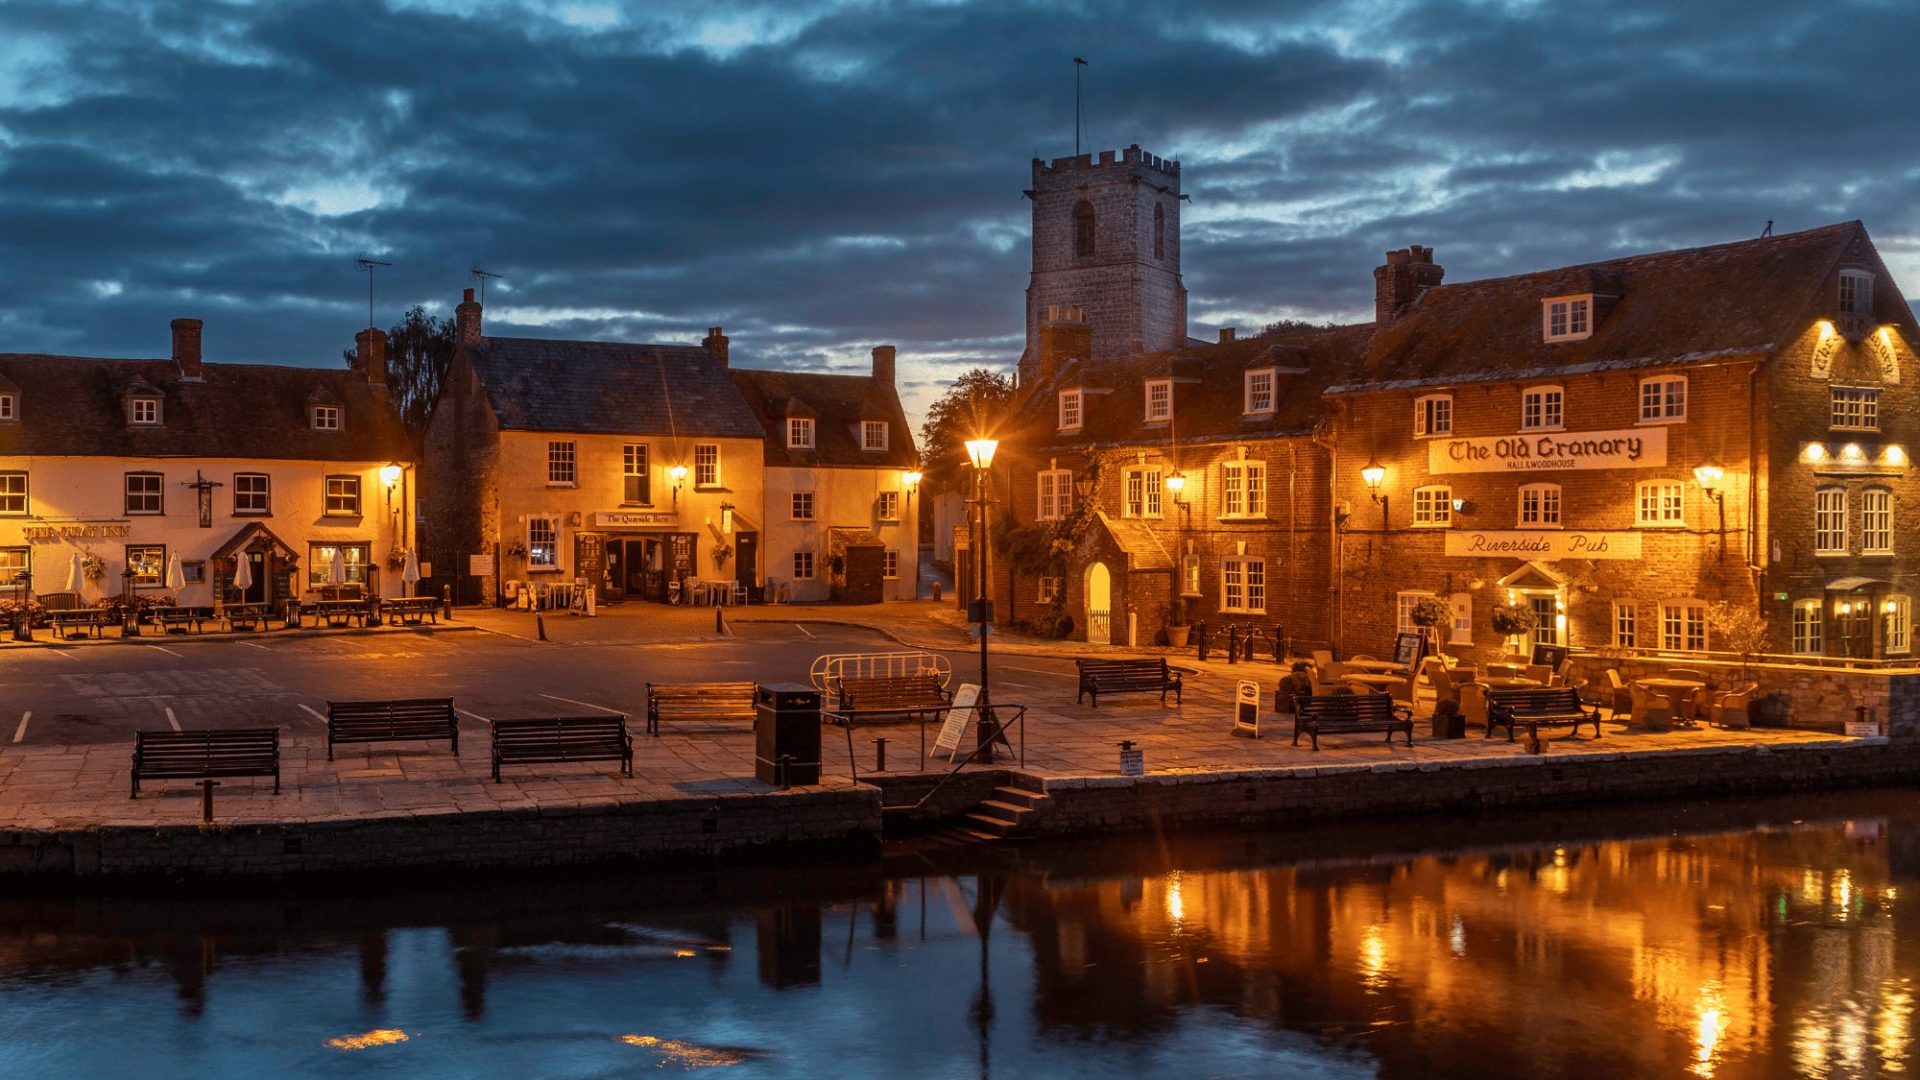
x,y
822,176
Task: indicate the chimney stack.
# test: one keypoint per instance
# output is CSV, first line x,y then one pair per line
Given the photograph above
x,y
372,345
1064,335
1408,272
466,319
186,348
716,343
1226,335
883,365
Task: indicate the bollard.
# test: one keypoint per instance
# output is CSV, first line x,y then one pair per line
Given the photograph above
x,y
446,601
879,755
1200,640
719,622
206,800
1233,644
786,771
540,626
23,627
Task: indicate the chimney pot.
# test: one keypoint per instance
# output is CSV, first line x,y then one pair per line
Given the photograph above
x,y
716,343
466,320
1226,335
186,348
1407,273
883,364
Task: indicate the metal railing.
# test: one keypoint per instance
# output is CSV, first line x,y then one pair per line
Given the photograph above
x,y
1000,731
1003,717
830,668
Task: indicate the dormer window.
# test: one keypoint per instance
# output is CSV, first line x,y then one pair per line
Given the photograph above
x,y
1159,399
1567,318
873,434
326,418
1856,293
143,411
9,408
1259,392
799,433
1069,410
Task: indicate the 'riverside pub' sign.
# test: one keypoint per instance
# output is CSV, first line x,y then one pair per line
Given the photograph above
x,y
1555,451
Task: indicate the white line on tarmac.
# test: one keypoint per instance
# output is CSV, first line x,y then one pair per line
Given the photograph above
x,y
169,652
1034,671
21,731
253,645
313,712
803,629
473,716
171,719
62,652
587,704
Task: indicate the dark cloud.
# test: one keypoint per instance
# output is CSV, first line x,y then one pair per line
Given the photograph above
x,y
824,177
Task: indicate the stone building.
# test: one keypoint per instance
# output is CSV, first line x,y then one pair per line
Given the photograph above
x,y
841,480
139,464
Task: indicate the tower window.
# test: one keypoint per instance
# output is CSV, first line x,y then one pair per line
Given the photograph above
x,y
1083,228
1159,231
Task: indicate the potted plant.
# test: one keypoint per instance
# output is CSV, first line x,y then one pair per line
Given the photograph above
x,y
1514,620
1178,630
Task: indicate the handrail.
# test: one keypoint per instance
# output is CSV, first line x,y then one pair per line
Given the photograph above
x,y
829,668
1000,729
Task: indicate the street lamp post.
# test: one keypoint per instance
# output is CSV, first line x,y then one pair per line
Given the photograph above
x,y
1709,477
980,452
1373,473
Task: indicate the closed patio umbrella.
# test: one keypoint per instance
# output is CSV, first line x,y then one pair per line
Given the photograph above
x,y
411,572
73,574
337,569
242,572
175,579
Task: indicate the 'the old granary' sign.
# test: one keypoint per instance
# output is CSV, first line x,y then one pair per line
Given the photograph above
x,y
1627,448
1544,546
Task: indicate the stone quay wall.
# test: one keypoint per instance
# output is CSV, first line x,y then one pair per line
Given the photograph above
x,y
1790,695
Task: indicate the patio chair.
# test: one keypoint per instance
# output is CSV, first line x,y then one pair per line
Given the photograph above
x,y
1473,703
1729,707
1651,711
1442,681
1619,693
1541,674
740,593
1322,659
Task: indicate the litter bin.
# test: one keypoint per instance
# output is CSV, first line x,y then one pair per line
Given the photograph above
x,y
786,734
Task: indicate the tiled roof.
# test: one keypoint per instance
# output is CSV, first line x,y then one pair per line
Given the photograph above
x,y
838,404
73,406
1144,548
609,387
1738,299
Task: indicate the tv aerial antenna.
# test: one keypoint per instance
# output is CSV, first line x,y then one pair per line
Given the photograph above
x,y
370,265
481,276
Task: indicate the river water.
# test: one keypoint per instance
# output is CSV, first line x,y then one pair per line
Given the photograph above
x,y
1736,940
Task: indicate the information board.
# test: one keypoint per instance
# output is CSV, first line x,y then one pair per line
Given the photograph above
x,y
955,728
1246,709
1549,655
1133,762
479,565
1409,649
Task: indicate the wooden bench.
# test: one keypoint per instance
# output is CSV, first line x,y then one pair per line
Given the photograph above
x,y
205,755
1534,707
88,620
897,696
1148,676
189,619
714,701
410,610
1339,714
408,720
559,739
340,613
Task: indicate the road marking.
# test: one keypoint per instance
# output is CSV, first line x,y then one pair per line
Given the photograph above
x,y
803,629
1037,671
63,652
169,652
171,719
21,731
473,716
587,704
313,712
253,645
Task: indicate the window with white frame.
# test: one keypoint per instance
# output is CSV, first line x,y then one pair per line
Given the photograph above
x,y
1809,625
1898,609
799,433
1856,292
1540,506
888,506
1143,492
1159,399
1683,626
1663,398
1660,503
1461,631
1403,610
803,566
144,411
1433,414
1830,520
16,564
342,496
1550,621
326,418
1541,409
1259,391
149,565
706,465
1055,494
1567,318
543,543
1243,489
1189,575
802,505
1626,625
13,493
560,464
1876,521
1854,408
1243,585
1052,590
890,564
252,494
873,434
144,493
1433,506
637,480
1069,410
9,407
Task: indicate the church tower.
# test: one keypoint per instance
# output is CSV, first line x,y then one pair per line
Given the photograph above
x,y
1106,255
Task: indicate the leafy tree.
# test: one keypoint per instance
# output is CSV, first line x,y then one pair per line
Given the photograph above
x,y
419,350
975,403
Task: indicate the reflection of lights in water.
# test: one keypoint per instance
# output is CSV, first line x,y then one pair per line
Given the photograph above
x,y
1457,937
1559,856
1811,887
1373,957
378,1037
1176,904
692,1055
684,952
1842,892
1710,1024
1893,1028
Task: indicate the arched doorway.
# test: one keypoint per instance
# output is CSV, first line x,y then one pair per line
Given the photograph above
x,y
1099,605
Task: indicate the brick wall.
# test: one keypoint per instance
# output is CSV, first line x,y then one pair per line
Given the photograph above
x,y
461,478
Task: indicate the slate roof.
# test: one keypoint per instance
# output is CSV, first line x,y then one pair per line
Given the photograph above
x,y
1144,548
73,406
609,387
838,404
1208,393
1741,299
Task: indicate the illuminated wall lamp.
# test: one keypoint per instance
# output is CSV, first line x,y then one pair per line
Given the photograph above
x,y
679,476
1373,474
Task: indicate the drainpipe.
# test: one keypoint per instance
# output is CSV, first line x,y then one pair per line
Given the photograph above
x,y
1754,566
1337,555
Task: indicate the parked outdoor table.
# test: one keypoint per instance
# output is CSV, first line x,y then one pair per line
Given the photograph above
x,y
1684,693
339,613
1508,682
1374,667
86,621
411,609
1377,683
245,616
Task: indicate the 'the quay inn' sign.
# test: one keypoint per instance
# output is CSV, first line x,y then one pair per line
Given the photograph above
x,y
1627,448
1544,546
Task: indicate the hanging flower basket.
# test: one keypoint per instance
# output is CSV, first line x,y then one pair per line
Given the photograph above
x,y
92,567
721,553
396,559
1429,612
517,549
1510,620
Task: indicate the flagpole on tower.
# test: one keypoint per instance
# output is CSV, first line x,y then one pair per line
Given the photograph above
x,y
1079,112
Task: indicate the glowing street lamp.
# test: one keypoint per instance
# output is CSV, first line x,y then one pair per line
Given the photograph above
x,y
980,452
1373,474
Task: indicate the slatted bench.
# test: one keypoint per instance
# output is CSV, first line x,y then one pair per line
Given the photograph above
x,y
410,720
205,755
1341,714
1146,676
245,616
1535,707
879,697
411,610
550,740
715,701
89,621
187,619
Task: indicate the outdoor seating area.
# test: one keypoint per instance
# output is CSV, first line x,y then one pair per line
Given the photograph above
x,y
206,755
1148,676
705,703
557,740
415,720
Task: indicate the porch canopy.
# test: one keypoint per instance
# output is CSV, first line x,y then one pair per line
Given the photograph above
x,y
255,536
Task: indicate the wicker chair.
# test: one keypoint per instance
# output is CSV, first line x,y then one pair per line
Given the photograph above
x,y
1620,695
1729,707
1473,703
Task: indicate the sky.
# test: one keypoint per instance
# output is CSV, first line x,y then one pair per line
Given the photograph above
x,y
820,177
